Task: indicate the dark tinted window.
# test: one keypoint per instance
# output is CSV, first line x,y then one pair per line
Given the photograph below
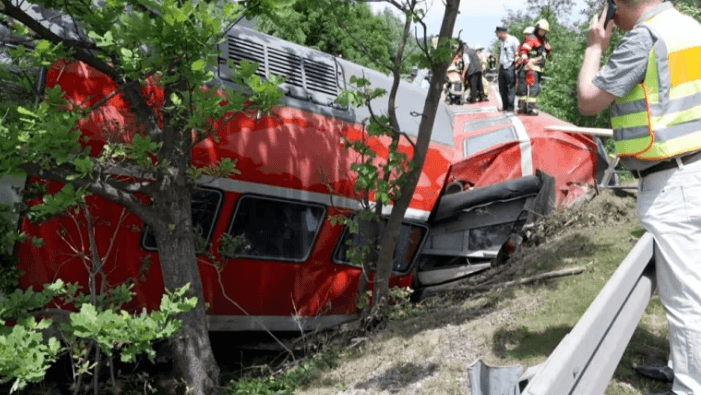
x,y
410,239
206,203
269,228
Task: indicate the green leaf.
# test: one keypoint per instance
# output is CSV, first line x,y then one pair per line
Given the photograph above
x,y
175,99
42,46
198,65
25,111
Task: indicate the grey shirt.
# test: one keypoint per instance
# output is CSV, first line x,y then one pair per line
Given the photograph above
x,y
626,68
507,51
474,65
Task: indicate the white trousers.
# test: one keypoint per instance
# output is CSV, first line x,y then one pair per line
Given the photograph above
x,y
669,207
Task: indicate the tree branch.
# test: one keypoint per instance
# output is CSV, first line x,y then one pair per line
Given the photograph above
x,y
117,191
527,280
82,52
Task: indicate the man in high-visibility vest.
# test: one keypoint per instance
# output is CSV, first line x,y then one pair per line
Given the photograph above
x,y
532,58
652,81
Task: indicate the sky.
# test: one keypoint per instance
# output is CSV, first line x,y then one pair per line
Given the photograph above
x,y
478,19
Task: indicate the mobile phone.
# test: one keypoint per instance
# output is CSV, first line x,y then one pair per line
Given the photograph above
x,y
610,10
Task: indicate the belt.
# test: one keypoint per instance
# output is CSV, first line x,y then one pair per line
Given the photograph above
x,y
667,165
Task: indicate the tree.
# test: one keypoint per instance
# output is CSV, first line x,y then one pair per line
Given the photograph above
x,y
348,27
411,47
166,46
560,9
396,179
339,28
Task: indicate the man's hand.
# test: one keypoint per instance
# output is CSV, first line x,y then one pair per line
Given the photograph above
x,y
598,35
591,99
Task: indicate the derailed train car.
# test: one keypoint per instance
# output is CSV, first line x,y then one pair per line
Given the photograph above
x,y
289,271
508,171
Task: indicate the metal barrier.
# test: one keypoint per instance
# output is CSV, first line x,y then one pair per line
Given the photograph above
x,y
585,360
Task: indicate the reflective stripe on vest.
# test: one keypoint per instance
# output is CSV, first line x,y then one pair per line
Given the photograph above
x,y
661,117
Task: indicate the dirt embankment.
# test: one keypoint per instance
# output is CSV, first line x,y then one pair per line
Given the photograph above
x,y
431,352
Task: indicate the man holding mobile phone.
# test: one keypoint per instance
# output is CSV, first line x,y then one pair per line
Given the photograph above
x,y
652,81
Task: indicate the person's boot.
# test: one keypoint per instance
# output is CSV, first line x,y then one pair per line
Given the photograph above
x,y
531,110
658,373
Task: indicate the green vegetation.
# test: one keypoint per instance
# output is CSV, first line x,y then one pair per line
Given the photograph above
x,y
165,48
28,348
341,28
286,382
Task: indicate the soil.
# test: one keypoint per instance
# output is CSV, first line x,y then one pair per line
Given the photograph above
x,y
431,352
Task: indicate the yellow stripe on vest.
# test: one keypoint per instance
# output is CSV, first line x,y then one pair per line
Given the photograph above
x,y
676,118
686,89
667,149
631,147
629,120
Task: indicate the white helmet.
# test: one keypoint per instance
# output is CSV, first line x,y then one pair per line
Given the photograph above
x,y
529,30
478,47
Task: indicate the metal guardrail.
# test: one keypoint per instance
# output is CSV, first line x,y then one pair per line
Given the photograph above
x,y
585,360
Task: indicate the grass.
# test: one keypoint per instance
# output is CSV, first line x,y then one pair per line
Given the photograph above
x,y
534,333
431,353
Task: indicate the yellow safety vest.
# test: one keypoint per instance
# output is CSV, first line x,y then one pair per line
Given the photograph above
x,y
660,118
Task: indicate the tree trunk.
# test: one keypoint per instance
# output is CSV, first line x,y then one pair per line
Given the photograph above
x,y
389,239
192,352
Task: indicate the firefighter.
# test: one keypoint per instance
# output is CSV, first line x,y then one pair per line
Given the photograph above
x,y
485,67
533,51
527,33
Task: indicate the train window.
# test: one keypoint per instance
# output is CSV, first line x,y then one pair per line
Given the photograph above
x,y
493,236
276,229
475,144
206,203
411,238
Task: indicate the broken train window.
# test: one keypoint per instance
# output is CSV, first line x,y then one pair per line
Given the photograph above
x,y
411,238
205,206
272,228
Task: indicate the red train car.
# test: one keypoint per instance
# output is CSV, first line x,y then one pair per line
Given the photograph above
x,y
269,255
288,270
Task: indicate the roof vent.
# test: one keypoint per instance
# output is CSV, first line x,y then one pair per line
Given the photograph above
x,y
309,74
